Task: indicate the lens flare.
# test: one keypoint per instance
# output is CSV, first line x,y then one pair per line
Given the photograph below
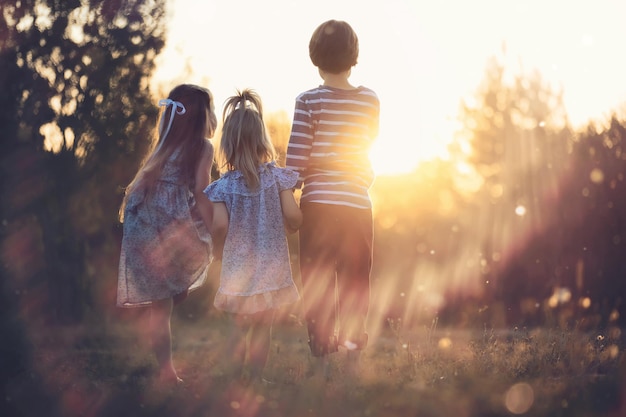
x,y
444,343
596,176
519,398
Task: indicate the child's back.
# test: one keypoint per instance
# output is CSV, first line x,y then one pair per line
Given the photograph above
x,y
166,247
332,133
256,273
334,126
149,269
254,208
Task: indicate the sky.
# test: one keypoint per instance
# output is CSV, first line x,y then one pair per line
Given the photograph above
x,y
420,56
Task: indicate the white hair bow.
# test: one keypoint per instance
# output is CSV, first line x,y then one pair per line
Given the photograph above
x,y
177,108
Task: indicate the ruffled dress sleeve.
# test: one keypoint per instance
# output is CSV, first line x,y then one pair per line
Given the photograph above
x,y
216,191
285,178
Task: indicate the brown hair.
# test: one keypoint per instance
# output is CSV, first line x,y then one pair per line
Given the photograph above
x,y
334,47
187,132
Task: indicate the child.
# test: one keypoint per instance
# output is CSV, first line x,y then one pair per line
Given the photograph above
x,y
252,201
333,128
166,247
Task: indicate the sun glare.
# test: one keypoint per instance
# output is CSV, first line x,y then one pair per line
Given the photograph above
x,y
399,149
410,57
394,159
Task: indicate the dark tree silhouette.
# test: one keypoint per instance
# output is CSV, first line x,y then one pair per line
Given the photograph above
x,y
594,213
75,111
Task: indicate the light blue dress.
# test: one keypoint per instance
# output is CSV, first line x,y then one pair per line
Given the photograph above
x,y
166,248
256,273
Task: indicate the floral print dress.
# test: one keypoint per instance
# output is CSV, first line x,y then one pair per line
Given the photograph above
x,y
256,272
166,248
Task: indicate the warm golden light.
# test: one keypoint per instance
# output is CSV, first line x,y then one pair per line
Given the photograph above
x,y
422,61
496,260
409,57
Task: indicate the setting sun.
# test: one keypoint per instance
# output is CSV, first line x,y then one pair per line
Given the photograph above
x,y
400,148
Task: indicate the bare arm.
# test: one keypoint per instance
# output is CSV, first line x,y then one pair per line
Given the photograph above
x,y
203,179
219,228
291,211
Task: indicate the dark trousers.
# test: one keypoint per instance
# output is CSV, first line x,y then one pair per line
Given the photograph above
x,y
335,265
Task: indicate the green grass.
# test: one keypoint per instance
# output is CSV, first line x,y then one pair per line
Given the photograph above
x,y
428,371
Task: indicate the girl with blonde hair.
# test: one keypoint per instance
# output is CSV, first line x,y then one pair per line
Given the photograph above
x,y
254,207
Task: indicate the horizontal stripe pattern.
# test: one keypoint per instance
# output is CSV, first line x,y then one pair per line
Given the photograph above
x,y
331,135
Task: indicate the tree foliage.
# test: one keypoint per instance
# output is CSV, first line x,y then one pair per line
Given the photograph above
x,y
537,240
519,143
549,217
75,113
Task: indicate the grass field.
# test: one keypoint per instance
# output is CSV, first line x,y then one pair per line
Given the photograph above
x,y
426,372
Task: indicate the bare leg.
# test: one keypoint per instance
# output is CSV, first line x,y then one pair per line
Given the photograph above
x,y
353,363
260,341
161,334
321,368
236,345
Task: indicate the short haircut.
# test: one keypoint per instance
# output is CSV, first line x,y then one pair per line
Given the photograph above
x,y
334,47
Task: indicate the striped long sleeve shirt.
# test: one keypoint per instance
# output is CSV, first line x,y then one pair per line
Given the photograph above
x,y
331,135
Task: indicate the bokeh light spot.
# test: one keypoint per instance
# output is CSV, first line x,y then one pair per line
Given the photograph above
x,y
519,398
596,176
585,302
444,343
614,315
613,351
559,296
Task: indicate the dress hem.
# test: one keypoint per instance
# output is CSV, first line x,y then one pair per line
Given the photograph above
x,y
252,304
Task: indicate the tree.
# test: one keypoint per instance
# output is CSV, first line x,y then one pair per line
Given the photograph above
x,y
75,113
518,140
594,212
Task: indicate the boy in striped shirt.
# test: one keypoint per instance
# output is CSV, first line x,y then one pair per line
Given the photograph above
x,y
334,126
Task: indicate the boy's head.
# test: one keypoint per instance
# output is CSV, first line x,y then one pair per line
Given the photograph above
x,y
334,47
